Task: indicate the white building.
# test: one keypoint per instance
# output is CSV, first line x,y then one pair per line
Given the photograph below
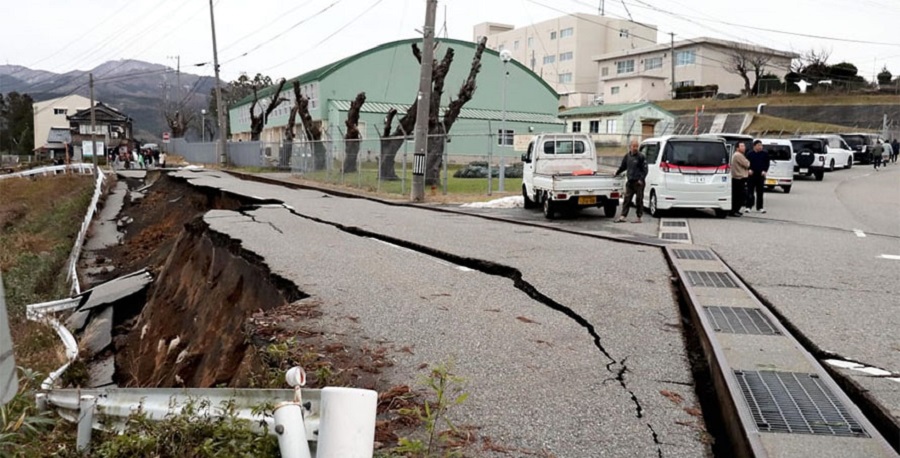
x,y
645,73
561,50
617,124
51,127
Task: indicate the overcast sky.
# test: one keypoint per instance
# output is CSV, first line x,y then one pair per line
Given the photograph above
x,y
286,38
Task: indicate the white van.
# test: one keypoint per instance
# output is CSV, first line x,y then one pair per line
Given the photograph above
x,y
781,167
687,172
837,152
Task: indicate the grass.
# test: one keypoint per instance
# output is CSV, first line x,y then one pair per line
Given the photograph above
x,y
771,125
780,100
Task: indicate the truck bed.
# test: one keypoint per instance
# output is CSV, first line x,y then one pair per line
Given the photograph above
x,y
588,184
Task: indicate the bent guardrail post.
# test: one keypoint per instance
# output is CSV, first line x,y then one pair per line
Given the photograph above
x,y
289,423
85,422
347,424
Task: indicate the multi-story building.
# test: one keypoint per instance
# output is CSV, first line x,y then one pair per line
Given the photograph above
x,y
645,73
562,50
51,126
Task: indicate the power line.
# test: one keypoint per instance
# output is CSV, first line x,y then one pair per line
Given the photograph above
x,y
265,26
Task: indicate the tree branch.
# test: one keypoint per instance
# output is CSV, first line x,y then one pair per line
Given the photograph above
x,y
467,90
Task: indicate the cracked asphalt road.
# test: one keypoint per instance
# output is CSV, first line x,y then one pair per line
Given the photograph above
x,y
542,383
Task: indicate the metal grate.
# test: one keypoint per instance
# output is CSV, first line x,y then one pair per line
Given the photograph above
x,y
674,223
796,403
710,279
702,255
674,236
740,320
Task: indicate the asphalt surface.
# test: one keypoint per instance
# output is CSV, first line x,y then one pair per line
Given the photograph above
x,y
515,307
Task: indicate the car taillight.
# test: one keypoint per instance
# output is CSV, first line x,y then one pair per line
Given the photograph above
x,y
665,167
821,158
614,195
561,196
727,169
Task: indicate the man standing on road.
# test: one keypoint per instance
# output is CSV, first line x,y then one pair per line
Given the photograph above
x,y
877,151
740,169
635,164
895,145
759,167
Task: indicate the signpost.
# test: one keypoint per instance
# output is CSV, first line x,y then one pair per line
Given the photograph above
x,y
165,137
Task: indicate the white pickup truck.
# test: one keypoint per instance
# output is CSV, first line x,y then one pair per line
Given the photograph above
x,y
560,174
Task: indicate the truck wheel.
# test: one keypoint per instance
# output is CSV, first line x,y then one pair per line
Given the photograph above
x,y
720,213
528,203
609,209
549,208
654,208
819,175
786,189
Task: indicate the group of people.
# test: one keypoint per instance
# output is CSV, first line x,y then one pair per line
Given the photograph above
x,y
139,158
748,178
885,152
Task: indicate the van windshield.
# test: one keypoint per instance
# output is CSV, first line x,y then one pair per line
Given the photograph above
x,y
778,152
696,154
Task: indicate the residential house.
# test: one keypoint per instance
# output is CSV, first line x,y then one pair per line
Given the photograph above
x,y
617,124
645,73
561,50
51,125
112,129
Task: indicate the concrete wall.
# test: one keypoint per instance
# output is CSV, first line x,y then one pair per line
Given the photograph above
x,y
862,116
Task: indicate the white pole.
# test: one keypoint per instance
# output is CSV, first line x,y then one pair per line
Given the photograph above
x,y
347,425
502,180
85,422
291,431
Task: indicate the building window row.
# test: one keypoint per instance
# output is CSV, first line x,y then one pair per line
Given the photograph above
x,y
653,63
566,56
563,33
594,126
684,83
549,59
625,66
60,111
688,57
565,77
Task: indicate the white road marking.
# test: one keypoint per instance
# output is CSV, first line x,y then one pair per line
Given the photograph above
x,y
859,233
890,256
868,370
843,364
437,260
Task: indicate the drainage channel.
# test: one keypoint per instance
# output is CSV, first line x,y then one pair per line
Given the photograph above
x,y
774,397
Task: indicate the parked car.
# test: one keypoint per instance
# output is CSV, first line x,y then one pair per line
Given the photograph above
x,y
862,145
687,172
781,168
560,174
809,157
837,152
732,140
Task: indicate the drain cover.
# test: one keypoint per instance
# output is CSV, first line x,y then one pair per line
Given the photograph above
x,y
740,320
710,279
694,254
796,403
674,236
674,223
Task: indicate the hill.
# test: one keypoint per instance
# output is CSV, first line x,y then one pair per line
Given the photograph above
x,y
137,88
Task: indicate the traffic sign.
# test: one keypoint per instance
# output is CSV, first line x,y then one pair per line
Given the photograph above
x,y
165,137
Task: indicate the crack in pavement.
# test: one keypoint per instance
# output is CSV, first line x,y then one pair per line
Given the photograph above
x,y
246,212
500,270
822,288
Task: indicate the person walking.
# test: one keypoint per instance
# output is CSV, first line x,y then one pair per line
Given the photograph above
x,y
895,145
877,151
740,170
888,154
756,182
635,165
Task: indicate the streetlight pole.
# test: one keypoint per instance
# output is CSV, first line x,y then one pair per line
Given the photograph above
x,y
505,56
203,125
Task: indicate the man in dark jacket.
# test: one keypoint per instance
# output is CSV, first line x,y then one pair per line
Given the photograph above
x,y
756,184
895,145
635,164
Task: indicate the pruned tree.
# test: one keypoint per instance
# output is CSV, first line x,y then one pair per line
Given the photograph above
x,y
312,131
812,64
438,127
744,62
258,121
353,137
179,122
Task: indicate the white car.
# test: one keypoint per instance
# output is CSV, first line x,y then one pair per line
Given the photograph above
x,y
837,152
781,167
687,172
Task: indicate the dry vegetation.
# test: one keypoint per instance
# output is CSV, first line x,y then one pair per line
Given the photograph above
x,y
780,100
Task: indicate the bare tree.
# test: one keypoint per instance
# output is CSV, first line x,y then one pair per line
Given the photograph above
x,y
178,122
353,137
312,131
258,121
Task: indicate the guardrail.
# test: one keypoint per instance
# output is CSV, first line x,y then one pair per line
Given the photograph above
x,y
71,274
40,312
79,167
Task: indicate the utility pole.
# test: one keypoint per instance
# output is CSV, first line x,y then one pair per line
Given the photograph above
x,y
672,53
93,125
220,110
177,76
424,103
602,8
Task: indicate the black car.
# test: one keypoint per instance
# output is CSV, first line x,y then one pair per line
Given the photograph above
x,y
862,145
809,157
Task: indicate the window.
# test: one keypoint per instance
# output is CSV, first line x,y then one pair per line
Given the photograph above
x,y
595,127
549,59
610,126
516,44
614,90
565,77
696,154
652,63
564,147
624,33
567,32
576,126
651,152
604,71
552,35
625,66
688,57
505,139
60,111
684,83
566,56
530,42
